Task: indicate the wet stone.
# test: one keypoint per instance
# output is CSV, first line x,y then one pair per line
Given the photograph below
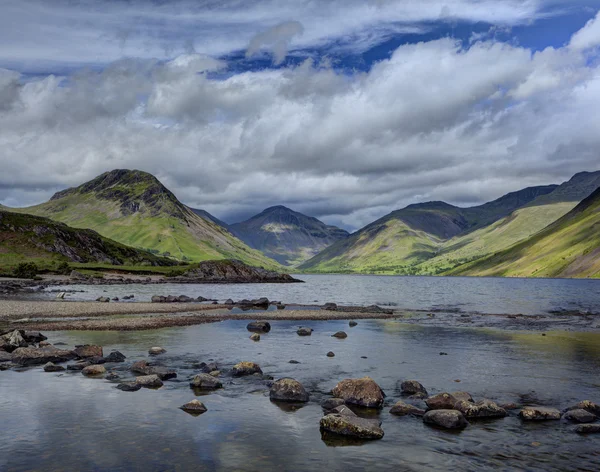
x,y
51,367
330,354
532,413
352,426
93,370
352,324
304,331
255,337
482,409
462,396
446,419
155,351
339,335
362,392
195,407
288,390
246,368
205,382
259,326
588,429
579,416
129,386
412,387
404,409
441,401
332,403
149,381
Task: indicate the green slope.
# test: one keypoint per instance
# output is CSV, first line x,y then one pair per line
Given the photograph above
x,y
569,247
135,209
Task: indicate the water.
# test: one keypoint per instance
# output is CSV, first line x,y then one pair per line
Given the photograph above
x,y
484,295
55,422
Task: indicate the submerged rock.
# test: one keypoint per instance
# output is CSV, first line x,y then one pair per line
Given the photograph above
x,y
362,392
27,356
78,366
255,337
205,382
339,335
246,368
588,429
462,396
412,387
129,386
93,370
88,350
304,331
403,409
156,351
195,407
352,426
441,401
112,376
288,390
579,416
259,326
51,367
330,354
447,419
533,413
332,403
149,381
482,409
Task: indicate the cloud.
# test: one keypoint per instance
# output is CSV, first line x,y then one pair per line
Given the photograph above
x,y
277,39
588,36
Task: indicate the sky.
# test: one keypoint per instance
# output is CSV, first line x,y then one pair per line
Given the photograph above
x,y
341,109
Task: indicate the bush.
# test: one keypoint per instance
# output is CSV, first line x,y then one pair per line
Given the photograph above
x,y
63,268
174,273
26,270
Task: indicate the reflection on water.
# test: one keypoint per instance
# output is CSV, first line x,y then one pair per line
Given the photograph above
x,y
68,422
485,295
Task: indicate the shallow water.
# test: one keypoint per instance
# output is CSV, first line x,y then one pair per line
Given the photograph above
x,y
467,294
68,422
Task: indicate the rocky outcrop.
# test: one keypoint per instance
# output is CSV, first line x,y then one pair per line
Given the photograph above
x,y
482,409
288,390
246,368
441,401
362,392
205,382
404,409
27,356
446,419
533,413
259,326
234,271
195,407
353,426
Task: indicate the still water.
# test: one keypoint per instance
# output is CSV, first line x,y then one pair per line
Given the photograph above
x,y
484,295
66,422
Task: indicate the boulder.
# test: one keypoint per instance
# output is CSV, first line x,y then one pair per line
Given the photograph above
x,y
441,401
103,299
186,299
446,419
255,337
342,410
194,407
5,356
115,356
33,336
411,387
339,335
329,306
587,406
352,426
352,324
462,396
288,390
129,386
404,409
362,392
140,367
155,351
205,382
259,326
588,429
158,299
51,367
229,301
163,373
149,381
330,354
534,413
246,368
26,356
208,368
482,409
579,416
79,366
13,340
112,376
88,350
93,370
304,331
332,403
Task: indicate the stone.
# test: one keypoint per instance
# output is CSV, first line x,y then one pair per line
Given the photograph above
x,y
51,367
13,340
255,337
156,351
149,381
288,390
205,382
509,406
208,368
140,367
304,331
329,306
158,299
587,406
185,299
115,356
293,362
533,413
215,373
5,356
229,301
202,299
44,344
246,368
88,350
259,326
163,373
103,299
330,354
362,392
93,370
579,416
446,419
411,387
441,401
339,335
588,428
462,396
129,386
112,376
332,403
79,366
482,409
195,407
404,409
352,324
115,299
34,337
352,426
26,356
343,410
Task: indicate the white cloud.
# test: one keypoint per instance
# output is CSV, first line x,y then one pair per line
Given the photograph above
x,y
276,39
588,36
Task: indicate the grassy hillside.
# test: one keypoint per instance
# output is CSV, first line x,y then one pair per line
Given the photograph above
x,y
27,238
570,247
135,209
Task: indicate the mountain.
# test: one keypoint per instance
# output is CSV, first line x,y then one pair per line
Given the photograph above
x,y
287,236
27,238
135,209
400,241
569,247
579,187
207,216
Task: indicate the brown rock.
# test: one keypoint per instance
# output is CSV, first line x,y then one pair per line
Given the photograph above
x,y
352,426
579,416
51,367
88,350
404,409
363,392
441,401
412,387
93,370
464,396
533,413
149,381
27,356
194,407
446,419
205,382
246,368
288,390
339,335
482,409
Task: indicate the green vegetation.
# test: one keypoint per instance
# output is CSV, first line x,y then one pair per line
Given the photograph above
x,y
26,270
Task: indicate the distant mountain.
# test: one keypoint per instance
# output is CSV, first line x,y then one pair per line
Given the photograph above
x,y
207,216
569,247
400,241
135,209
579,187
27,238
287,236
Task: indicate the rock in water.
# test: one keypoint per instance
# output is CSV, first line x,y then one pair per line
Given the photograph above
x,y
88,350
464,396
579,416
343,410
403,409
51,367
129,386
339,335
115,356
149,381
194,407
288,390
332,403
587,406
447,419
103,299
246,368
482,409
27,356
259,326
533,413
352,426
329,306
255,337
588,429
362,392
13,340
156,351
304,331
330,354
411,387
441,401
93,370
205,382
352,324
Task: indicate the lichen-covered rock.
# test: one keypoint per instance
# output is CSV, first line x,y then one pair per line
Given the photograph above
x,y
88,350
588,428
129,386
362,392
255,337
339,335
447,419
579,416
462,396
51,367
195,407
205,382
149,381
93,370
534,413
353,426
246,368
441,401
259,326
26,356
156,351
404,409
587,406
482,409
412,387
288,390
304,331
